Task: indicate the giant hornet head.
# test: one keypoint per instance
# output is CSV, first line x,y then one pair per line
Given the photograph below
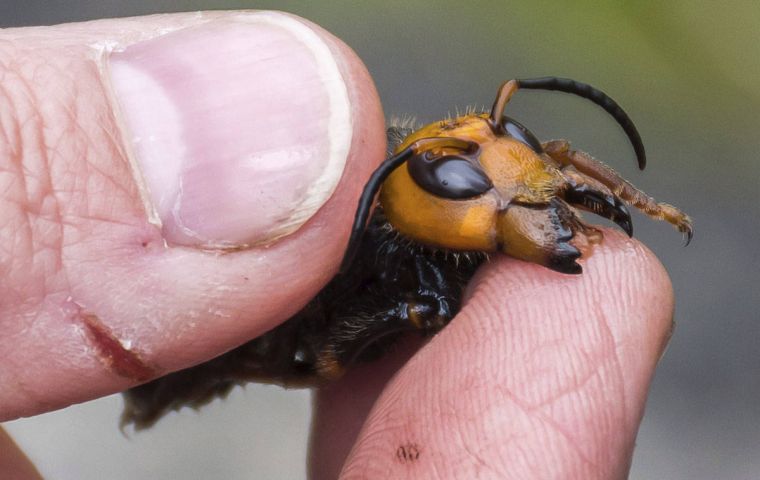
x,y
484,182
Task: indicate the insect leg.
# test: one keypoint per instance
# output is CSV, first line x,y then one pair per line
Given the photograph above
x,y
365,328
363,337
560,151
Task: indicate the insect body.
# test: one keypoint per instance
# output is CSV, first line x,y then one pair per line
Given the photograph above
x,y
449,192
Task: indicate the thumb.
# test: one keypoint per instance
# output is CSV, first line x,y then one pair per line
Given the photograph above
x,y
171,186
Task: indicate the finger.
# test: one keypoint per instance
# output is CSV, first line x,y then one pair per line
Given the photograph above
x,y
541,375
13,463
341,408
171,187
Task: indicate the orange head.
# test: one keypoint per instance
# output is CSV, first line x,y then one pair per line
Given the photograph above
x,y
483,182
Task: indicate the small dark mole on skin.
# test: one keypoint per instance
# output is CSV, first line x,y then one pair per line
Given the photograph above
x,y
408,453
144,244
111,352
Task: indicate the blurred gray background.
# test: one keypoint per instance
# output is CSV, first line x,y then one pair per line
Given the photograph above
x,y
689,75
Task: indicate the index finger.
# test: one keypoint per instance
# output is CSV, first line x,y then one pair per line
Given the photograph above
x,y
541,375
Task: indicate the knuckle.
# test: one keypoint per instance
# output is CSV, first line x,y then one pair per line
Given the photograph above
x,y
61,162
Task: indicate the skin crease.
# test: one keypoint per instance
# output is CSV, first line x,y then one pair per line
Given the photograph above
x,y
545,374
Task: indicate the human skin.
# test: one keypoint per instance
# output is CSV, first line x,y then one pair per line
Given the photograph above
x,y
136,239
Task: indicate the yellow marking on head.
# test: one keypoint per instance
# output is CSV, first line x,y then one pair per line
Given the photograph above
x,y
476,221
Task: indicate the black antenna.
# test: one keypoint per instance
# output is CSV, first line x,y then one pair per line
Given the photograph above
x,y
598,97
376,180
365,202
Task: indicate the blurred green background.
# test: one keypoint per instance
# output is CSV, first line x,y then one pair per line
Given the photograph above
x,y
687,72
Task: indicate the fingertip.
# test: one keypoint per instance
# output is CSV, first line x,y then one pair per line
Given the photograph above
x,y
644,291
622,280
540,375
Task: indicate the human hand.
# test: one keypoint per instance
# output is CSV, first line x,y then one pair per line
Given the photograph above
x,y
83,265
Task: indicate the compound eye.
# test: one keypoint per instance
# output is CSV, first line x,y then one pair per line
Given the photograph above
x,y
516,130
448,176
